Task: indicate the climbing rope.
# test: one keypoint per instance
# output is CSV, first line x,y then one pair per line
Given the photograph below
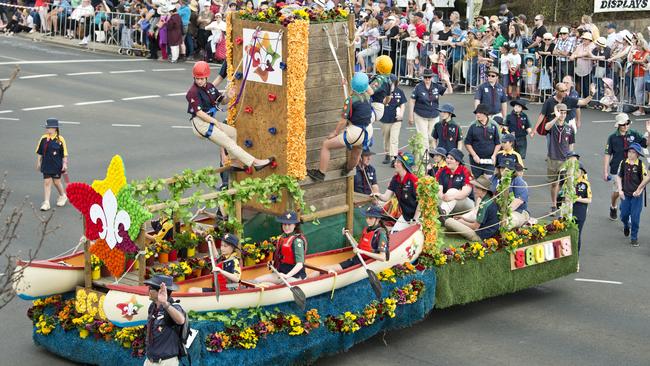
x,y
338,64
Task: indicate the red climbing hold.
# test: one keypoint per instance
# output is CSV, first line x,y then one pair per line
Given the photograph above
x,y
239,41
272,97
248,109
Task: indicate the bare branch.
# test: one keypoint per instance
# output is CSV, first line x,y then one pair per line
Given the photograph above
x,y
5,86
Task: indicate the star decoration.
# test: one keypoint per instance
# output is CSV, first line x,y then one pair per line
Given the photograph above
x,y
115,178
139,215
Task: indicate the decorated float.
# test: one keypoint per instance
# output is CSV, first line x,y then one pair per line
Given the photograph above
x,y
90,305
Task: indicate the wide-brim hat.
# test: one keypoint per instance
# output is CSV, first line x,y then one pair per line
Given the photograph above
x,y
230,239
493,70
587,35
573,154
289,217
564,30
51,123
601,42
438,151
427,73
482,182
582,167
374,211
520,102
456,154
609,82
407,160
367,153
482,108
621,119
636,147
159,279
194,5
447,108
562,107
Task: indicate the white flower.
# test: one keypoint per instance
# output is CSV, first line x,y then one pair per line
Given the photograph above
x,y
110,218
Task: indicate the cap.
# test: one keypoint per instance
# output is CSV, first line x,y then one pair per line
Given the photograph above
x,y
231,239
374,211
611,26
562,107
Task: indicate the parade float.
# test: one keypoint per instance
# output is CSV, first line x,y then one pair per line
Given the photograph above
x,y
90,305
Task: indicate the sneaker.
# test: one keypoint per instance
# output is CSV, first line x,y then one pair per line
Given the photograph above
x,y
61,201
316,175
45,206
84,41
553,212
626,231
612,213
386,159
634,242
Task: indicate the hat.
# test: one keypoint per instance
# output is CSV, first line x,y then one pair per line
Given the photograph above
x,y
636,147
482,108
506,163
427,73
231,239
448,108
419,14
548,35
611,26
628,38
564,30
438,151
587,35
443,52
367,152
194,5
562,107
573,154
404,26
512,45
289,217
601,41
391,18
582,167
493,70
374,211
520,102
609,83
456,32
51,123
456,154
482,182
159,279
621,119
508,137
407,160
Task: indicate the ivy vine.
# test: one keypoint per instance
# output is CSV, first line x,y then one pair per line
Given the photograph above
x,y
504,200
416,144
571,167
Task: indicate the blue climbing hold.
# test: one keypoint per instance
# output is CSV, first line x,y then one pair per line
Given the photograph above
x,y
239,75
283,66
248,143
273,130
274,198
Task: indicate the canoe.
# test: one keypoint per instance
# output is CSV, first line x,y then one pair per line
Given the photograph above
x,y
405,246
42,278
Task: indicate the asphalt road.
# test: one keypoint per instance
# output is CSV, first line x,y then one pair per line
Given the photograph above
x,y
563,322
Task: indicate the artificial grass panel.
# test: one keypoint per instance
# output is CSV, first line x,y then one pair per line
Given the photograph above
x,y
480,279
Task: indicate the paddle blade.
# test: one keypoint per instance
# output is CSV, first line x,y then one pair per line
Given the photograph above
x,y
216,285
374,282
299,297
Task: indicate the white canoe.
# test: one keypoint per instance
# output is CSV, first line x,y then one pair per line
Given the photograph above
x,y
42,278
405,246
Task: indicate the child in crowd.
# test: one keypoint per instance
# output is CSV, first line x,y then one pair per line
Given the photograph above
x,y
609,101
412,54
530,77
514,68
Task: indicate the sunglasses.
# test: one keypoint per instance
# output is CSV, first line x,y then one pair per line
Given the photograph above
x,y
427,77
492,75
536,19
561,90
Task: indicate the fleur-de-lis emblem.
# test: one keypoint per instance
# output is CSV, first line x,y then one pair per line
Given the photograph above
x,y
111,218
129,309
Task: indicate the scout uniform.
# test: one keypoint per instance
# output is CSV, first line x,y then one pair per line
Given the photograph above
x,y
509,155
559,140
365,177
373,238
380,84
435,167
518,188
454,180
230,264
290,248
583,190
162,333
631,175
358,111
391,123
486,216
447,133
52,150
405,189
483,139
518,124
491,95
426,106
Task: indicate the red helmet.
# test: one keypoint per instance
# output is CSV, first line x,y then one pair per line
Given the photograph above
x,y
201,69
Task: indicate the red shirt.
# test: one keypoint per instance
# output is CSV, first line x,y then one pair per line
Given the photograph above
x,y
456,179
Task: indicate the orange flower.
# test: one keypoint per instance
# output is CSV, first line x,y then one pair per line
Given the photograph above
x,y
297,63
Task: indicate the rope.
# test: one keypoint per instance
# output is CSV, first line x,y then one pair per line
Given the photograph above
x,y
333,283
73,249
259,300
338,64
248,66
135,260
500,222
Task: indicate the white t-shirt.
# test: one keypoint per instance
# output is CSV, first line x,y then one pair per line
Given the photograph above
x,y
435,28
508,61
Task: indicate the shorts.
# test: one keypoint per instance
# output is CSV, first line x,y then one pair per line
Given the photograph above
x,y
354,135
286,268
614,186
553,170
53,176
350,262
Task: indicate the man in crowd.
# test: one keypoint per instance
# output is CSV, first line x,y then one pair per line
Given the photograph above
x,y
615,152
564,47
482,142
560,96
537,35
492,94
560,141
365,179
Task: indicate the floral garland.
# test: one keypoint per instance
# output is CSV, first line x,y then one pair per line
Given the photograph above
x,y
397,271
232,108
504,200
297,63
288,14
428,202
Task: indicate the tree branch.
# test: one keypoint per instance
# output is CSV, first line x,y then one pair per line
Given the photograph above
x,y
5,86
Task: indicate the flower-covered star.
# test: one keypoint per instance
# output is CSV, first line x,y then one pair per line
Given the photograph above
x,y
115,177
139,215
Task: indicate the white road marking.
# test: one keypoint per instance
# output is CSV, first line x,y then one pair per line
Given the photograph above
x,y
69,123
604,121
11,58
181,126
37,76
9,119
124,125
176,94
43,107
6,111
125,71
40,62
95,102
142,97
85,73
163,70
598,281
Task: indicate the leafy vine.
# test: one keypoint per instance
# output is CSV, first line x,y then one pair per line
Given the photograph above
x,y
428,202
416,144
571,167
504,200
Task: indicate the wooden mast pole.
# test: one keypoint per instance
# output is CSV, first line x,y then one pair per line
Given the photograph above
x,y
349,198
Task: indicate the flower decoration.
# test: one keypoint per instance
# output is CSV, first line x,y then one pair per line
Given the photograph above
x,y
138,214
82,197
110,217
112,258
298,44
115,177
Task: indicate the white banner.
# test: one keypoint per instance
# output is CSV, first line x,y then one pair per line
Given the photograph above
x,y
603,6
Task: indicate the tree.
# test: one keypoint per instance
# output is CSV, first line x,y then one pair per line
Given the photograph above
x,y
7,85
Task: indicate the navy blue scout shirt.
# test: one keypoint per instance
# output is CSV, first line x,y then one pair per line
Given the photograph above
x,y
398,98
493,96
616,145
631,175
518,187
223,71
202,99
361,183
583,190
549,107
488,217
517,124
406,192
358,110
571,113
162,333
426,100
380,85
52,151
448,134
483,138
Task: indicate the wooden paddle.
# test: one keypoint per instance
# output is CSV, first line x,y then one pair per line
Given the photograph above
x,y
298,295
210,241
372,277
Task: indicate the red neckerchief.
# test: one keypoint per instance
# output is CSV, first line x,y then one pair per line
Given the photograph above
x,y
520,124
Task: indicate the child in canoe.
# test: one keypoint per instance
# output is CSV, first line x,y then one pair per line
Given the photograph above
x,y
289,256
228,264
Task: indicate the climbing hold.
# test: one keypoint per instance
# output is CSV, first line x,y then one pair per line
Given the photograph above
x,y
248,143
239,75
249,170
273,130
274,164
274,198
239,41
283,66
248,109
272,97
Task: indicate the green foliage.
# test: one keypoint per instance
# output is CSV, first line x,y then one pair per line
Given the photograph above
x,y
235,317
571,167
416,144
185,240
504,200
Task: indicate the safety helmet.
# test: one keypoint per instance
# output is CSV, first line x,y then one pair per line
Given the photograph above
x,y
384,64
360,82
201,69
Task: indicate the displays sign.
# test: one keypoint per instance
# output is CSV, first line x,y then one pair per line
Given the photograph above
x,y
540,253
603,6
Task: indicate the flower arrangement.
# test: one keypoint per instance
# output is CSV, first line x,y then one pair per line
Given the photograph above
x,y
179,269
162,247
387,275
395,272
409,293
133,338
254,253
95,262
81,322
113,258
428,202
45,324
285,14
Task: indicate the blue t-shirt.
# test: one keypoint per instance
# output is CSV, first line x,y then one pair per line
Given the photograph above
x,y
493,96
483,138
185,13
426,100
488,217
397,99
519,189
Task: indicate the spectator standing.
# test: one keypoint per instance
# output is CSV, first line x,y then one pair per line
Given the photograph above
x,y
638,58
560,142
505,14
204,19
52,162
365,178
423,107
631,180
447,133
174,33
163,40
492,94
437,25
187,46
563,49
616,152
514,72
530,72
482,142
601,53
369,30
583,63
537,35
81,14
164,320
391,121
588,26
612,35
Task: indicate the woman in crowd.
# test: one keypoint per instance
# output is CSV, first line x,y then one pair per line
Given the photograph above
x,y
514,36
174,33
370,32
472,45
583,63
638,58
81,15
205,17
217,40
546,60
